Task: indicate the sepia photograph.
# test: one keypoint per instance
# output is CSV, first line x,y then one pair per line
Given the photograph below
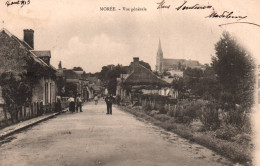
x,y
129,83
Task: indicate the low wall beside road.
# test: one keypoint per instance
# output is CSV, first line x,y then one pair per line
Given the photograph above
x,y
34,110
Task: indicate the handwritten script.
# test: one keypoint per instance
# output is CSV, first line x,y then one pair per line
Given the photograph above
x,y
196,6
214,14
161,5
226,14
19,2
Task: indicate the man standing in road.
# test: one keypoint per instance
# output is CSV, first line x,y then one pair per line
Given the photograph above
x,y
79,103
109,101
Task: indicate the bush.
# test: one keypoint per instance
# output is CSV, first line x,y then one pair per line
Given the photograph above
x,y
242,138
153,112
147,107
168,126
171,112
238,118
162,110
209,116
186,111
161,117
226,132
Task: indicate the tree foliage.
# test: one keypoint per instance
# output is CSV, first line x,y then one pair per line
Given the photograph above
x,y
16,91
146,65
77,68
71,89
234,68
109,74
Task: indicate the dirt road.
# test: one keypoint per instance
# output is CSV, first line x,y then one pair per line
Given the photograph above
x,y
92,138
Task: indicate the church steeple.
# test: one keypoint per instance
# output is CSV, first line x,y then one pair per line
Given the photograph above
x,y
159,58
160,52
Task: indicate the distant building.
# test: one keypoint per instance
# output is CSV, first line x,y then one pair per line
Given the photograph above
x,y
139,80
175,73
163,64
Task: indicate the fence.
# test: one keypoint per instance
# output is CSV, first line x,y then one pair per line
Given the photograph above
x,y
154,101
29,111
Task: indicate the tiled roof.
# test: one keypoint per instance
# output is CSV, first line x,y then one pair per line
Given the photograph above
x,y
143,76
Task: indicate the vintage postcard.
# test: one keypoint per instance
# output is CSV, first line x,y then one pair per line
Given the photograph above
x,y
129,82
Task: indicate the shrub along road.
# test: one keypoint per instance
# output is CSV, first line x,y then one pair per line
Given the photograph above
x,y
94,138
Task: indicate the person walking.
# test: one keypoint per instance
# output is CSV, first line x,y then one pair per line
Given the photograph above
x,y
58,104
71,104
79,103
96,100
109,101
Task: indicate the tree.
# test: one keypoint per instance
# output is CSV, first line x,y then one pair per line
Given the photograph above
x,y
60,82
71,89
146,65
109,74
178,85
16,92
60,65
77,69
192,79
234,68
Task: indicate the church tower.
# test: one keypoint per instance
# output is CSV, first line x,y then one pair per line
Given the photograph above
x,y
159,58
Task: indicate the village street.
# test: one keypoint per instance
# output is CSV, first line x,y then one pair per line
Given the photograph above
x,y
94,138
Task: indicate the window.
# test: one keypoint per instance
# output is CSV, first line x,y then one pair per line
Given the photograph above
x,y
46,93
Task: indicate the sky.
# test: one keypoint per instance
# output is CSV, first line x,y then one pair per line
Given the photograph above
x,y
79,34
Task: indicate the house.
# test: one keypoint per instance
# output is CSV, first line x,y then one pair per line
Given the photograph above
x,y
75,83
96,90
19,56
175,73
72,83
84,85
168,91
140,80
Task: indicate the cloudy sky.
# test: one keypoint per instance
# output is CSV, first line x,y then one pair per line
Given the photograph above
x,y
79,34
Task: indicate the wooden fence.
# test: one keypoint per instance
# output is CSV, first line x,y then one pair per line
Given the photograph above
x,y
154,101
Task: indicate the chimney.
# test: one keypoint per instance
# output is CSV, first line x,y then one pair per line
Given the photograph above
x,y
135,62
28,37
136,59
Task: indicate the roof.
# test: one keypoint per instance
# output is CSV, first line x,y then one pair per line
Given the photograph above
x,y
188,63
70,74
42,53
28,48
143,76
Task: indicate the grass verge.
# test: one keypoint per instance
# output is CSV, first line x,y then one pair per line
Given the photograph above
x,y
232,150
